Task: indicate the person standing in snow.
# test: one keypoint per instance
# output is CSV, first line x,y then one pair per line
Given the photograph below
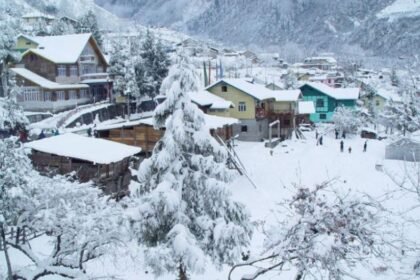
x,y
349,150
365,146
320,140
343,135
41,135
336,134
341,146
316,134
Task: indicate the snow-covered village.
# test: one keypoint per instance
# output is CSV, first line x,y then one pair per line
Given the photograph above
x,y
209,140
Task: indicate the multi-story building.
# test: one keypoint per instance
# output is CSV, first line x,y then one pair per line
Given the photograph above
x,y
60,72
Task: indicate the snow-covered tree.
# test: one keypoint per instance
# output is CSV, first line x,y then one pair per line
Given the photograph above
x,y
78,221
117,66
290,80
185,211
61,27
11,113
152,67
346,119
324,236
89,24
405,115
9,31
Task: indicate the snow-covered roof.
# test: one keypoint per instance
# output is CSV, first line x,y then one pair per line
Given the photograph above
x,y
328,59
205,98
306,107
38,15
44,83
286,95
389,95
60,49
84,148
212,122
257,91
336,93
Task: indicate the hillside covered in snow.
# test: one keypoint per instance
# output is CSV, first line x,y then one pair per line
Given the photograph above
x,y
377,27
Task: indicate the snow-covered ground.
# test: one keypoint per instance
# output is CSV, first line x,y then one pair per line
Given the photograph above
x,y
299,162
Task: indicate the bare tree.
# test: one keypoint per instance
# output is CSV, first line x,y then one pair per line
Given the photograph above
x,y
325,236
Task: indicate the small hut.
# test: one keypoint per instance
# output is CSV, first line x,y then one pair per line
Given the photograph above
x,y
104,162
141,133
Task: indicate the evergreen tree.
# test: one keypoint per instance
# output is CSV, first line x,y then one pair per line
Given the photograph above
x,y
185,212
152,66
89,24
290,80
8,55
60,27
117,66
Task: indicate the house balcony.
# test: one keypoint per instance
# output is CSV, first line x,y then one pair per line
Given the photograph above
x,y
260,113
95,78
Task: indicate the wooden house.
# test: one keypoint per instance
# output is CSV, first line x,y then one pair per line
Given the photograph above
x,y
407,149
327,99
104,162
320,62
67,61
141,133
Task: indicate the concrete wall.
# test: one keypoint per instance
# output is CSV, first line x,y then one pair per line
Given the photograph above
x,y
256,130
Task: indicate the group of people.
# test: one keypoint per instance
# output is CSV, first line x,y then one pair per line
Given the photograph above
x,y
319,141
349,149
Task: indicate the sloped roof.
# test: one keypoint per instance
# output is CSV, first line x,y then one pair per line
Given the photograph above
x,y
60,49
336,93
205,98
286,95
389,95
306,107
44,83
257,91
84,148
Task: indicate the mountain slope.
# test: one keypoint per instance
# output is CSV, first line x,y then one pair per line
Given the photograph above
x,y
380,27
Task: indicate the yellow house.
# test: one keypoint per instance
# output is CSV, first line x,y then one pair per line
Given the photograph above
x,y
376,103
250,105
24,43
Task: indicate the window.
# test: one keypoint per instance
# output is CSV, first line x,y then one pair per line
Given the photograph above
x,y
244,128
31,94
224,88
73,71
61,70
242,107
84,93
378,103
320,103
73,94
260,128
60,95
322,116
287,122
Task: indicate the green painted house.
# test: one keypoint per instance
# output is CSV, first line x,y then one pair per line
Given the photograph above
x,y
326,99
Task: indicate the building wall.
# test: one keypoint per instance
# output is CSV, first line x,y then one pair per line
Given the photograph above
x,y
235,96
407,152
24,44
282,107
220,113
40,66
256,130
325,113
377,103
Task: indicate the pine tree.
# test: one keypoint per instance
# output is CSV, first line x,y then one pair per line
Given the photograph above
x,y
8,55
60,27
185,210
117,66
89,24
152,66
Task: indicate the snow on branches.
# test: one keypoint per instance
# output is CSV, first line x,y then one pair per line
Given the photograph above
x,y
185,213
76,220
346,119
324,235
